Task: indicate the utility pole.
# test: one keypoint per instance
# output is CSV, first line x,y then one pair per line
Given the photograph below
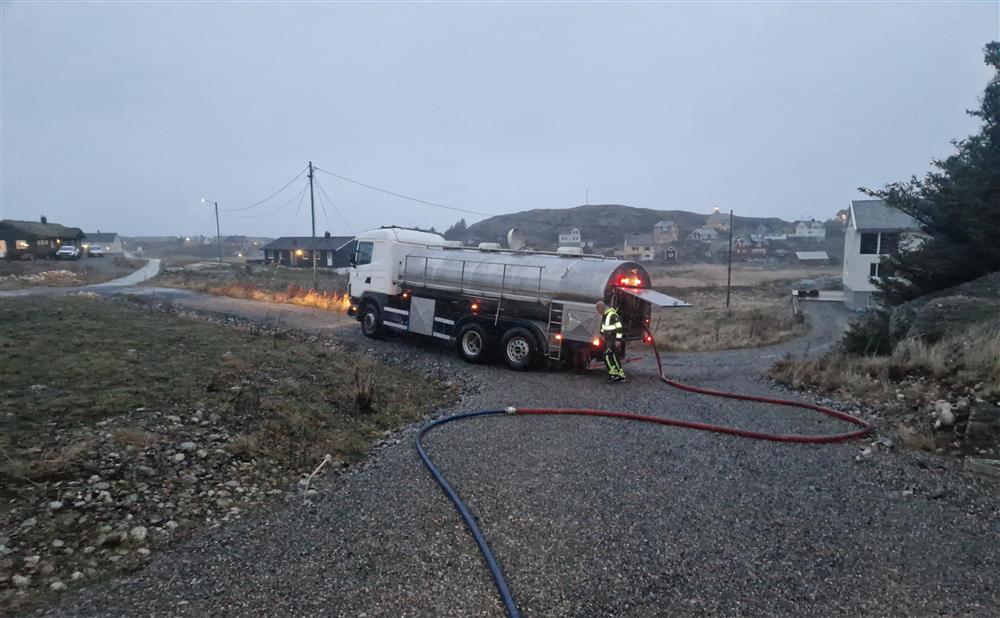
x,y
588,197
729,274
218,234
312,209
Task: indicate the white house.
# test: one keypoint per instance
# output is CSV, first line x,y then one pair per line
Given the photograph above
x,y
873,230
704,234
810,229
570,237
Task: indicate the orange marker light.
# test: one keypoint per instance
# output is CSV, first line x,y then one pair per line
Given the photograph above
x,y
475,307
558,336
597,342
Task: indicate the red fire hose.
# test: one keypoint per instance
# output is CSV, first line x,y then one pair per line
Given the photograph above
x,y
503,588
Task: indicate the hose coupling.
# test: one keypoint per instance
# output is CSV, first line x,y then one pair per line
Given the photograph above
x,y
510,410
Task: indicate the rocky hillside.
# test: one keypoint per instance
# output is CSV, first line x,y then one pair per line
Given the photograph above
x,y
605,224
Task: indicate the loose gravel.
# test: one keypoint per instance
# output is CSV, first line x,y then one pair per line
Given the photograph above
x,y
598,517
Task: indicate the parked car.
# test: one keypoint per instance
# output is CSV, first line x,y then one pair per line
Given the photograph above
x,y
68,252
95,251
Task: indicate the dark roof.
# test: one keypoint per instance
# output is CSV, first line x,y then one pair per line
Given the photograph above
x,y
43,230
288,243
877,216
100,236
639,239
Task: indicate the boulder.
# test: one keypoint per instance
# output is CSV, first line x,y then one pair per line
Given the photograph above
x,y
983,428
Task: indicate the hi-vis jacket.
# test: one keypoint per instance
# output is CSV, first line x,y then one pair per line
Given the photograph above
x,y
611,323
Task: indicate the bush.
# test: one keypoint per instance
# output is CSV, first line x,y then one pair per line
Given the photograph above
x,y
868,335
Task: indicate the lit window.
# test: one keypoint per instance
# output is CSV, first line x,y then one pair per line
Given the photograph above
x,y
21,244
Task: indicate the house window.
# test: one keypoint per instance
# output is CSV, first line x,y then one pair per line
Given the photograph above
x,y
873,270
364,254
889,244
43,242
869,243
21,245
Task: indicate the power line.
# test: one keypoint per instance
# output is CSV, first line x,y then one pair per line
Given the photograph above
x,y
255,204
333,205
405,197
297,196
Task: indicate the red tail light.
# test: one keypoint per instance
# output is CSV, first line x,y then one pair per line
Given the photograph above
x,y
630,281
649,339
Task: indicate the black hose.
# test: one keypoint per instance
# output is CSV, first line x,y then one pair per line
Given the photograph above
x,y
484,548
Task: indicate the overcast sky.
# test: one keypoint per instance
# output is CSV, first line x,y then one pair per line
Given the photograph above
x,y
121,116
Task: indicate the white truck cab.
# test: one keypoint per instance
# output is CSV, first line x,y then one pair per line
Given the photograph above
x,y
379,255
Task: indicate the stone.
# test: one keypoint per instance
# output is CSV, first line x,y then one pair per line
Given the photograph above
x,y
178,457
21,581
143,551
138,533
55,505
58,543
983,429
77,575
31,561
187,446
27,523
57,586
944,414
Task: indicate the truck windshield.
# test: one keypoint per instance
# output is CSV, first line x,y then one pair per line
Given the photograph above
x,y
364,253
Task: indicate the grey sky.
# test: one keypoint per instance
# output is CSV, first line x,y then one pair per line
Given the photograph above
x,y
121,116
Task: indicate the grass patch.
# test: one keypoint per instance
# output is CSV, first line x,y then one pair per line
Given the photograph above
x,y
758,316
79,361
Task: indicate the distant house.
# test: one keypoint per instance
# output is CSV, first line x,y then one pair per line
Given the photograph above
x,y
638,247
331,251
31,239
747,248
570,237
665,232
812,258
110,242
704,234
874,230
670,254
813,229
718,221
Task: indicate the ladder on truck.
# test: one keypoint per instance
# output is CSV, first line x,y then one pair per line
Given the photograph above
x,y
553,348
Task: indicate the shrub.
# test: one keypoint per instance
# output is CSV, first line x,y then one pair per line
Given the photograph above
x,y
868,335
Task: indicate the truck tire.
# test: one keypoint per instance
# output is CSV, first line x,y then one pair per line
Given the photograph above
x,y
473,343
371,321
519,348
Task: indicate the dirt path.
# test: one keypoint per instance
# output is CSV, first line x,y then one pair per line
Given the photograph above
x,y
593,517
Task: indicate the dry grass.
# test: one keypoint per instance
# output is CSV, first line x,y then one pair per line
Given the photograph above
x,y
920,372
744,275
757,317
294,294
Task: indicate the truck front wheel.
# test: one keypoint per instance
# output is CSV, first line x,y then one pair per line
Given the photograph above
x,y
371,321
520,349
473,343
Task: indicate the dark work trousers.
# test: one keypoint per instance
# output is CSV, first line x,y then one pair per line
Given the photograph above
x,y
611,357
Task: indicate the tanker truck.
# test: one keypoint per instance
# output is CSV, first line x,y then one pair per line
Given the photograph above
x,y
532,308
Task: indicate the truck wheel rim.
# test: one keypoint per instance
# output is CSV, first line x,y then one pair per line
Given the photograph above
x,y
518,350
370,320
472,343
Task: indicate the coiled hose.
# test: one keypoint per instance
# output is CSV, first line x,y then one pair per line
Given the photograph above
x,y
503,588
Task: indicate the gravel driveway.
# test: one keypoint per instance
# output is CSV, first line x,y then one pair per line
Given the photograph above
x,y
596,517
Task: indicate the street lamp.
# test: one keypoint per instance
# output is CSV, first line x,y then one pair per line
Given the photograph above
x,y
218,234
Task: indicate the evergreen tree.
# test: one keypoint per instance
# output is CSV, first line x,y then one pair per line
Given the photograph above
x,y
457,231
958,207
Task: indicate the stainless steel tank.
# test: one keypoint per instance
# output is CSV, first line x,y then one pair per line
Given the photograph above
x,y
522,276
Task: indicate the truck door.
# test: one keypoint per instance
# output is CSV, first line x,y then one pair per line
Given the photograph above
x,y
370,268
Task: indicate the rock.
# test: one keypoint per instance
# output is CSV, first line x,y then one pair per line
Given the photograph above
x,y
983,428
57,586
178,457
188,446
143,551
27,523
942,410
58,543
55,505
138,533
77,575
21,581
171,524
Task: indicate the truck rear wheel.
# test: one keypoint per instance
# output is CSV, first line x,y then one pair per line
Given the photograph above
x,y
371,321
473,343
520,348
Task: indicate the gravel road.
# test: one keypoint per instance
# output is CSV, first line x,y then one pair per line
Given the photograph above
x,y
595,517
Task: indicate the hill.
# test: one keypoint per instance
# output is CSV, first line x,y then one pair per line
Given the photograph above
x,y
605,224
